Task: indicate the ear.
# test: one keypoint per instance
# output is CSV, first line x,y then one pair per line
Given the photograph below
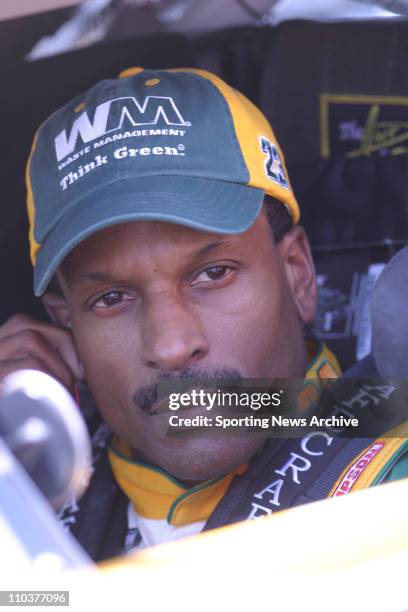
x,y
57,309
296,255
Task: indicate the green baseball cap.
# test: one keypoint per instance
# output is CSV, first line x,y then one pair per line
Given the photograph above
x,y
156,145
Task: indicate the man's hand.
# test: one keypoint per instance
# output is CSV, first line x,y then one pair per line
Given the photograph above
x,y
27,343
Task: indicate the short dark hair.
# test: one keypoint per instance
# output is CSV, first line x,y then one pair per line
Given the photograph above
x,y
279,221
278,217
54,286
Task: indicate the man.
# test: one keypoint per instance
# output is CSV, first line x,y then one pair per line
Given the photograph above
x,y
165,244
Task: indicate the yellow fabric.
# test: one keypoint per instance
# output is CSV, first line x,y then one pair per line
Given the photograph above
x,y
34,246
322,364
130,72
156,495
250,125
391,444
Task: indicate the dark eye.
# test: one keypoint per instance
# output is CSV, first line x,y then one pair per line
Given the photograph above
x,y
109,299
216,273
213,273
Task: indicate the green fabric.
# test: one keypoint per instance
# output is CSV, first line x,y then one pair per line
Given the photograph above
x,y
400,470
127,151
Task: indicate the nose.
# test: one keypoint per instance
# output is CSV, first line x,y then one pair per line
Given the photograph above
x,y
173,335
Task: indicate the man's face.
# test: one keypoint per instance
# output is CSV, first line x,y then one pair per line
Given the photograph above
x,y
146,299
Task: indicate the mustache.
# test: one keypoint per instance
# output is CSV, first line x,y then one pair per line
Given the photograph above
x,y
148,395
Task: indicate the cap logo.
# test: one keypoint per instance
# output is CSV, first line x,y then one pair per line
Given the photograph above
x,y
111,116
273,164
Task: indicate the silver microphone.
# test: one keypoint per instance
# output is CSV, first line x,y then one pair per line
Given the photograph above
x,y
42,426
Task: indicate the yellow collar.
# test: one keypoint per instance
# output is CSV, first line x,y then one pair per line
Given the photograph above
x,y
322,364
157,495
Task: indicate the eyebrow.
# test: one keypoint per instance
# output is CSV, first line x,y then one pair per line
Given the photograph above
x,y
102,277
99,277
208,248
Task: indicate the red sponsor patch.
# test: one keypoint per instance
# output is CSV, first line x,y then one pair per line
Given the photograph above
x,y
354,472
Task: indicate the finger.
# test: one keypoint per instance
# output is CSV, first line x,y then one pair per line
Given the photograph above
x,y
59,338
63,342
29,343
18,322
